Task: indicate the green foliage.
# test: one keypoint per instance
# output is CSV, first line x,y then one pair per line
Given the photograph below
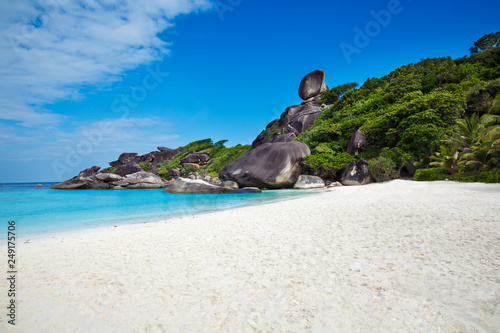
x,y
333,95
386,166
220,156
430,174
326,164
146,166
110,169
433,174
383,169
485,177
485,42
448,158
413,109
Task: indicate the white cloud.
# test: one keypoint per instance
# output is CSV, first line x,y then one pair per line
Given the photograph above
x,y
50,48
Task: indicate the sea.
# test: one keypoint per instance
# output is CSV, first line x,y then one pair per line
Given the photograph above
x,y
42,210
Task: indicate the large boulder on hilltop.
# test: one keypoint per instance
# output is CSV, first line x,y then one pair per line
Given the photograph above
x,y
127,169
312,84
356,173
307,182
297,118
198,186
356,143
127,157
200,158
270,165
293,121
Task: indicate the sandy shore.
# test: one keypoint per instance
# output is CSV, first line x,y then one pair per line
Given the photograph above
x,y
395,257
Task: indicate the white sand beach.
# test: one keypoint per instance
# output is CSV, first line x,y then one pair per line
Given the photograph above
x,y
393,257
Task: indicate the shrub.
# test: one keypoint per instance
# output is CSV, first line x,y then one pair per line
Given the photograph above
x,y
486,177
383,169
328,165
430,174
110,169
146,166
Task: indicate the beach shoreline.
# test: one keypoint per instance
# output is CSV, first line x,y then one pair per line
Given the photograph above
x,y
396,256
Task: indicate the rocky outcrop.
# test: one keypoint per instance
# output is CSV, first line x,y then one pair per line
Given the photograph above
x,y
312,84
271,165
200,158
164,155
194,175
156,157
105,181
73,184
38,185
108,177
215,181
175,173
126,157
127,169
356,173
143,177
89,172
296,118
198,186
230,184
308,182
357,142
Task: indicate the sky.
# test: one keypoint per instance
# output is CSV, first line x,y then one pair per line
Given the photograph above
x,y
83,81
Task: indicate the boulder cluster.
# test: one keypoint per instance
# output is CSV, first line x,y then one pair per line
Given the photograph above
x,y
91,178
273,162
297,118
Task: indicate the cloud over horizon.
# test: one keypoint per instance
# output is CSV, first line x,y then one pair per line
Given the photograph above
x,y
50,49
53,50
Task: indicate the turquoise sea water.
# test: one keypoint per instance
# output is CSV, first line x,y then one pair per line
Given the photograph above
x,y
41,210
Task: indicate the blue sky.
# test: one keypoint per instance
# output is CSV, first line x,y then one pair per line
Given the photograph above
x,y
83,81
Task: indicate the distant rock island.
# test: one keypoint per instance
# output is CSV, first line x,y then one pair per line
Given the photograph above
x,y
273,161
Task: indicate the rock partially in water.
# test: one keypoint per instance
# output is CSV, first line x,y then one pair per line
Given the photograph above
x,y
198,186
308,182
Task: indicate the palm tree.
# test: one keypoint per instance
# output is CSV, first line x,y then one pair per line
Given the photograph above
x,y
479,158
448,158
468,132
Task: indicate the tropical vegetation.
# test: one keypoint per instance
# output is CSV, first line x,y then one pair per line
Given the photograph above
x,y
441,113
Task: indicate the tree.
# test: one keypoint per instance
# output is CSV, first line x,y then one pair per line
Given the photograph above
x,y
485,42
448,158
332,96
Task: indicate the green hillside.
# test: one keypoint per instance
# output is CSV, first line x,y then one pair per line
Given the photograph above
x,y
425,113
